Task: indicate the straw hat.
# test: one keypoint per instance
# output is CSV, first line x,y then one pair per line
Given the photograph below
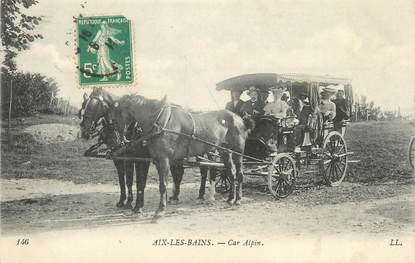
x,y
327,91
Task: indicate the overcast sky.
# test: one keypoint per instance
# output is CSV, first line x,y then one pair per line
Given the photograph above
x,y
182,48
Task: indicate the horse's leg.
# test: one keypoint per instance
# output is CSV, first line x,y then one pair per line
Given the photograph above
x,y
203,174
129,173
163,168
230,169
119,165
141,171
177,174
212,180
239,176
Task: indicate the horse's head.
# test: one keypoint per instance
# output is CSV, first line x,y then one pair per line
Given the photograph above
x,y
94,108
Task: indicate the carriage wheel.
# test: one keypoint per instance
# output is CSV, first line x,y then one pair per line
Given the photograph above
x,y
334,159
223,184
281,175
411,153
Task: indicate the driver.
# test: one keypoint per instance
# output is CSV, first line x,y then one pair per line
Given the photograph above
x,y
278,108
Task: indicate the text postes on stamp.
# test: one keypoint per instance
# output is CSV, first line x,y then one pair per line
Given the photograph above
x,y
104,50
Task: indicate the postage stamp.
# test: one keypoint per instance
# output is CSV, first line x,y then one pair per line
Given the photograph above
x,y
104,50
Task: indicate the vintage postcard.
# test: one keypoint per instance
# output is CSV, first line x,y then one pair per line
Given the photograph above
x,y
207,131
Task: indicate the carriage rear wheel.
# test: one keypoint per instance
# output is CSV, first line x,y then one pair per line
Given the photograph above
x,y
411,153
334,158
281,175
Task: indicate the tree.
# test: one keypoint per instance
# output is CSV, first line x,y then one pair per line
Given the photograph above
x,y
31,94
17,29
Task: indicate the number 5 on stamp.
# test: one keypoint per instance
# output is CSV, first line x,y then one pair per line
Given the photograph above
x,y
104,50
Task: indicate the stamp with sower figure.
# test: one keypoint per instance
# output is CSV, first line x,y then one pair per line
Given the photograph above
x,y
104,50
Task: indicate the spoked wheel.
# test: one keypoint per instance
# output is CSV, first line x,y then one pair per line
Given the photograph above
x,y
281,175
411,153
334,159
223,183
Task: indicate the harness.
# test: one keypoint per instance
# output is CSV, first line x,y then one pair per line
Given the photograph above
x,y
160,128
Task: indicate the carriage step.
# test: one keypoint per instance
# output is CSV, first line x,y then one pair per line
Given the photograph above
x,y
310,172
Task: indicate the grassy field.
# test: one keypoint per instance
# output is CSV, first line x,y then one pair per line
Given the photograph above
x,y
381,147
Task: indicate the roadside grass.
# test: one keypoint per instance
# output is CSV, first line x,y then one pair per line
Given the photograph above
x,y
381,147
23,157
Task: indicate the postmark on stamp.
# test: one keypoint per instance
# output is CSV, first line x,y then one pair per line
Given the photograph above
x,y
104,50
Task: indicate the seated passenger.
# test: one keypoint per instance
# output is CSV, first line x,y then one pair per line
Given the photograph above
x,y
253,105
341,107
327,107
236,103
278,108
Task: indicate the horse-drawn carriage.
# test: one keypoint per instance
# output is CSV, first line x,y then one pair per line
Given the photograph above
x,y
298,143
175,134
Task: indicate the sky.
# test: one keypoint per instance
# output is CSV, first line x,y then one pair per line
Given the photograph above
x,y
183,48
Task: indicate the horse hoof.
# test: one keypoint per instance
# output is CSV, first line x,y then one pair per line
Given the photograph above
x,y
137,210
238,202
230,202
120,204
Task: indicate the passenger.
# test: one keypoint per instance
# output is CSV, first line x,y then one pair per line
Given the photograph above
x,y
253,105
278,108
236,103
341,112
327,107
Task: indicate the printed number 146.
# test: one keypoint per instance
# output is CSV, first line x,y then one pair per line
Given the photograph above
x,y
23,241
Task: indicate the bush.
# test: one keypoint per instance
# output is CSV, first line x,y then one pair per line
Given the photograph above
x,y
32,93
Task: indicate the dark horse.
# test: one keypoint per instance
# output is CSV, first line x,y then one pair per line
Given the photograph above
x,y
172,133
125,169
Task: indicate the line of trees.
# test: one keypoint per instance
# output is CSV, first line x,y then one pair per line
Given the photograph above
x,y
366,111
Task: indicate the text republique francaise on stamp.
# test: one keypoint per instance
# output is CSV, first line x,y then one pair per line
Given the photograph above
x,y
105,50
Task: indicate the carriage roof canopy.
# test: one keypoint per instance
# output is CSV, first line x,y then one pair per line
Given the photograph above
x,y
264,81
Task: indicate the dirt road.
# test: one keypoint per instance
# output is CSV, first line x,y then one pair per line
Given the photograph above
x,y
70,225
349,208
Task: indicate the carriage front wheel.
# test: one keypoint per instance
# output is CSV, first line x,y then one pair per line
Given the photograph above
x,y
282,173
334,159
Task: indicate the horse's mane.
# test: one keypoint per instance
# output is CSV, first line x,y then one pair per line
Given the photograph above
x,y
105,94
135,99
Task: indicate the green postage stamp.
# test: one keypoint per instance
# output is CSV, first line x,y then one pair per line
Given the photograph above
x,y
105,50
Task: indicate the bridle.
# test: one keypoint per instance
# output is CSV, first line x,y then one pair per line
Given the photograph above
x,y
94,131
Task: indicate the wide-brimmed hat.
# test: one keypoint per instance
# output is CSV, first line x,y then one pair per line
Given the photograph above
x,y
251,90
327,91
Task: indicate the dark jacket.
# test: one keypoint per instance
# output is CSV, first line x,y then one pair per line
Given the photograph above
x,y
341,110
248,108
